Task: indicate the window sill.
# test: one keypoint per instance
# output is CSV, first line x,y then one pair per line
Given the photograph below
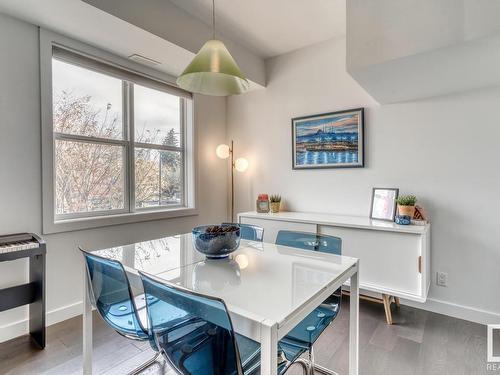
x,y
69,225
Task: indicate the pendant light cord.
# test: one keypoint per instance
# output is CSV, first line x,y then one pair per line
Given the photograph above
x,y
213,19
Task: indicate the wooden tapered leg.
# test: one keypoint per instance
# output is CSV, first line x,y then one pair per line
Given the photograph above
x,y
397,301
386,301
387,308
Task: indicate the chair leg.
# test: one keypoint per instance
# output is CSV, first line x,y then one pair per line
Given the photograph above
x,y
387,308
311,367
324,370
305,365
145,365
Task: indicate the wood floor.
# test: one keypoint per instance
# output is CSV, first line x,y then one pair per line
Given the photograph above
x,y
418,343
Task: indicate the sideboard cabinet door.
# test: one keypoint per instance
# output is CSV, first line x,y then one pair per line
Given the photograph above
x,y
389,262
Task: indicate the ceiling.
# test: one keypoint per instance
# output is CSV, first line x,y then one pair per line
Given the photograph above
x,y
83,22
171,31
272,27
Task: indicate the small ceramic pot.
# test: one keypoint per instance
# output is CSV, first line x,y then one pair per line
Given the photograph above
x,y
275,207
406,211
403,220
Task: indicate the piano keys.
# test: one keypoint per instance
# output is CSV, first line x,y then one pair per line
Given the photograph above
x,y
17,242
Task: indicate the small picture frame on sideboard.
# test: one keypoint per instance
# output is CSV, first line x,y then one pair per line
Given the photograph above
x,y
383,205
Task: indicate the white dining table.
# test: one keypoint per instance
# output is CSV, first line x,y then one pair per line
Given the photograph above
x,y
268,288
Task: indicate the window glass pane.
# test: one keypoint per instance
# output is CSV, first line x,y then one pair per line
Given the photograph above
x,y
158,178
89,177
156,117
86,102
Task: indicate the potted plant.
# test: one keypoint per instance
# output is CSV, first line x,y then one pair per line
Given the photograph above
x,y
406,205
275,201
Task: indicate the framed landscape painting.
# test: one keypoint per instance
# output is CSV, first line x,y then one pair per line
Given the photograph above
x,y
329,140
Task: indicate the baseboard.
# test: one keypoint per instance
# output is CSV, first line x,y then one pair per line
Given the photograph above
x,y
454,310
14,329
457,311
64,313
19,328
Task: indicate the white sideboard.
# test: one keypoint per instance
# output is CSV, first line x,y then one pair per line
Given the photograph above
x,y
394,259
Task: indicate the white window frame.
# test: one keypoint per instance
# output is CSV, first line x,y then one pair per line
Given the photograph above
x,y
104,62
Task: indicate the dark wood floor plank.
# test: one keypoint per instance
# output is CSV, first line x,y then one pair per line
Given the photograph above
x,y
133,362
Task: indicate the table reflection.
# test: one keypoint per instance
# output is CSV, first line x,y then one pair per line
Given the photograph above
x,y
155,256
215,275
242,260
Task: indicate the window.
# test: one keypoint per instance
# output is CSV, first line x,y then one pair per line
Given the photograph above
x,y
89,143
158,151
119,141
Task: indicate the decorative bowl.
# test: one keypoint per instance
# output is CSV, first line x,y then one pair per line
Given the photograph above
x,y
216,241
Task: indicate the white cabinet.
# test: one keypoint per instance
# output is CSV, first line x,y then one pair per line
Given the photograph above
x,y
389,261
394,259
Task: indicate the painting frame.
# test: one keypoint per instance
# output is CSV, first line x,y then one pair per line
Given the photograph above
x,y
393,209
360,146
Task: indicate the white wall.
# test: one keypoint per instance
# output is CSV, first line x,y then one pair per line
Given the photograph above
x,y
20,181
444,150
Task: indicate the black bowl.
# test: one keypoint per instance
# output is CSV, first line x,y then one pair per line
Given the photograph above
x,y
216,245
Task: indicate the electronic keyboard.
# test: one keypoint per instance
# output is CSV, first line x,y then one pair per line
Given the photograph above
x,y
13,246
32,292
18,242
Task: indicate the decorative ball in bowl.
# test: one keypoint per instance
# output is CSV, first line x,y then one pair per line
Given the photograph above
x,y
216,241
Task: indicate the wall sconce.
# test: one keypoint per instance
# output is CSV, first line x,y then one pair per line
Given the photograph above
x,y
224,151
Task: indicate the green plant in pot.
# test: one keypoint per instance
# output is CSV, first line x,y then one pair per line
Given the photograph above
x,y
274,203
406,205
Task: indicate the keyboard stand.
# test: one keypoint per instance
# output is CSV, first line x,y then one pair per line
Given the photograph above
x,y
31,293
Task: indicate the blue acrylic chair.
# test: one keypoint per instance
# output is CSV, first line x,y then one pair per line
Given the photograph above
x,y
311,327
310,241
249,232
112,296
195,334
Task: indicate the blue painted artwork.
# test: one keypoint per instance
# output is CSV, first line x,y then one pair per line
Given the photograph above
x,y
328,140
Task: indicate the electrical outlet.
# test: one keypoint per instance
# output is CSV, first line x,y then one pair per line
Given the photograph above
x,y
442,279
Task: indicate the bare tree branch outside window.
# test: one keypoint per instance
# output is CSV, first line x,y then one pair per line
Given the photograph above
x,y
90,173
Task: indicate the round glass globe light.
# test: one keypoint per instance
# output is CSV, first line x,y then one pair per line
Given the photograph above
x,y
241,164
222,151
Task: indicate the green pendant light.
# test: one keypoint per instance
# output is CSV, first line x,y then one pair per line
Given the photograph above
x,y
213,70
